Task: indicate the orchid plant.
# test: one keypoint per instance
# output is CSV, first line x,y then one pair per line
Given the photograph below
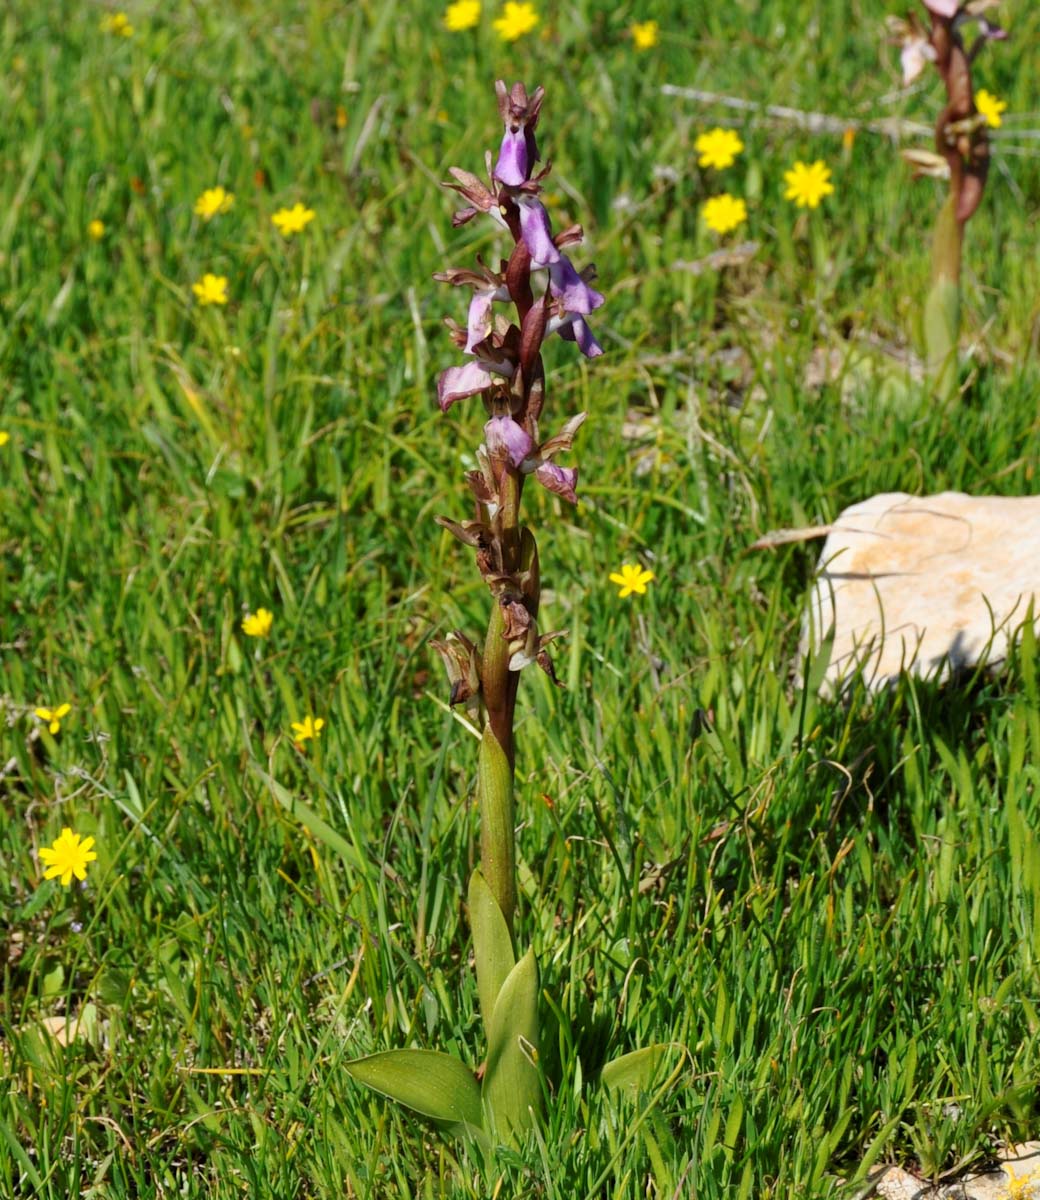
x,y
543,294
962,156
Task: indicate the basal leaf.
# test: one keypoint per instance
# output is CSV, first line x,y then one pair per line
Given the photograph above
x,y
492,944
638,1070
512,1087
427,1081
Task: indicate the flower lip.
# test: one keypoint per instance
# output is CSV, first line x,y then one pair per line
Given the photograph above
x,y
536,230
574,328
572,291
506,439
519,151
514,164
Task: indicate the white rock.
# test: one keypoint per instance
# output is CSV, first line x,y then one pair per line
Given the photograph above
x,y
927,584
1017,1179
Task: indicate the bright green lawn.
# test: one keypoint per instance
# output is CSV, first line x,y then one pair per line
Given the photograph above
x,y
836,909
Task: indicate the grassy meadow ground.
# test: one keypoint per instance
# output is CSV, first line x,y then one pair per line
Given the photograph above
x,y
835,908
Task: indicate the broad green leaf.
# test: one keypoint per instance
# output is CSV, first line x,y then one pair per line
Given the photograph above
x,y
427,1081
492,944
512,1087
637,1070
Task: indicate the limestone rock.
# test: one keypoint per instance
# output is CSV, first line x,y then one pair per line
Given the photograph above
x,y
929,584
1016,1178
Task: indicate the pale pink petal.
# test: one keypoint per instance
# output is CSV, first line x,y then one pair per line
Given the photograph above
x,y
456,383
504,438
561,480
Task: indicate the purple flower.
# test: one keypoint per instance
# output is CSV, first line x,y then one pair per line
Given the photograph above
x,y
915,53
456,383
570,289
506,439
572,328
513,167
519,151
536,231
561,480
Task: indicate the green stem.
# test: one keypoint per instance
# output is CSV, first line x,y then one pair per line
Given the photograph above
x,y
942,308
495,793
497,823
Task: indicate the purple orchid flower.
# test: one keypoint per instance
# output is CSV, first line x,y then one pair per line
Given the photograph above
x,y
573,328
487,288
567,286
536,230
507,439
457,383
519,150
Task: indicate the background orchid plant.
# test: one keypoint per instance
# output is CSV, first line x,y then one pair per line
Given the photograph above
x,y
962,156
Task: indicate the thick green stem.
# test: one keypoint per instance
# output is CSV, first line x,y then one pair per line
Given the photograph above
x,y
497,823
942,308
498,686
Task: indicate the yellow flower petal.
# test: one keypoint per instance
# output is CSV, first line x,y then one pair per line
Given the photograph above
x,y
292,220
211,289
67,856
258,624
724,213
515,21
807,184
718,148
463,14
644,34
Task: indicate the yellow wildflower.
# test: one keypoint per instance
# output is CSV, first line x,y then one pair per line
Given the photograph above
x,y
5,437
53,716
515,21
724,213
96,229
212,201
292,220
718,148
118,24
631,578
68,856
990,107
807,184
258,624
644,34
463,14
306,729
211,289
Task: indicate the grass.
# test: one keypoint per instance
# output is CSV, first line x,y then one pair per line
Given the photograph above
x,y
835,909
